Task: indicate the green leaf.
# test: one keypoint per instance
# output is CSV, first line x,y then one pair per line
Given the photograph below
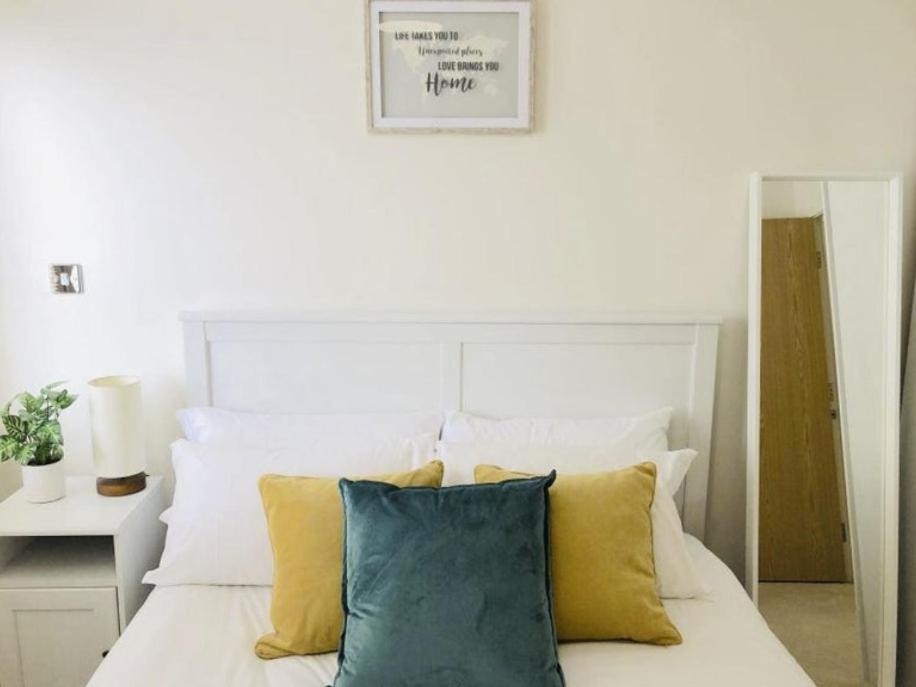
x,y
8,447
49,433
52,385
16,427
25,453
65,400
47,453
30,403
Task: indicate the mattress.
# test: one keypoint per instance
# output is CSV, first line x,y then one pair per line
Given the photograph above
x,y
203,636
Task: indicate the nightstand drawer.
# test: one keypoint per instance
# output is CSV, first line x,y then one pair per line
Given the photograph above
x,y
55,637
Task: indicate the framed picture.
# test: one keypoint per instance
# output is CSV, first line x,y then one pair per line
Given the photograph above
x,y
450,65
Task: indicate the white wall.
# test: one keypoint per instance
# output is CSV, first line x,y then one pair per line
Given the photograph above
x,y
214,154
782,199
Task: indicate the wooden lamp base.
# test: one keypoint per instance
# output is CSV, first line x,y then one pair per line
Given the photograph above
x,y
121,486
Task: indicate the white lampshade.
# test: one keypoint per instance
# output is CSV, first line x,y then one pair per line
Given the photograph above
x,y
116,408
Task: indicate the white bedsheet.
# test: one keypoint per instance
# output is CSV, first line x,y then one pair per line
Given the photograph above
x,y
195,636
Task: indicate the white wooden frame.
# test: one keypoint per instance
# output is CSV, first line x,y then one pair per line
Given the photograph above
x,y
839,373
891,449
558,365
522,123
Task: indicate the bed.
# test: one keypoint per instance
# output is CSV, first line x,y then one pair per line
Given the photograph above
x,y
203,635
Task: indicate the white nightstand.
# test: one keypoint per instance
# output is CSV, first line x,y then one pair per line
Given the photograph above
x,y
70,579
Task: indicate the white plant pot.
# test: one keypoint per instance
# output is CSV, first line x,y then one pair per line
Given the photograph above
x,y
43,483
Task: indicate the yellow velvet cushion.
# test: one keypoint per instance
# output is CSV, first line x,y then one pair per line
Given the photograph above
x,y
305,521
603,571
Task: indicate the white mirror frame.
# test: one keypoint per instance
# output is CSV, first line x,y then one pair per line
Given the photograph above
x,y
890,544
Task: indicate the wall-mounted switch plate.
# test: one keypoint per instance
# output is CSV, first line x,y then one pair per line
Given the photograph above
x,y
66,278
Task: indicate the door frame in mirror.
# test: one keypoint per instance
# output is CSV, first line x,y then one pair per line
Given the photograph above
x,y
890,542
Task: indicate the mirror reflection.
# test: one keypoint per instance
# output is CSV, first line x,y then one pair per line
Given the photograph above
x,y
823,315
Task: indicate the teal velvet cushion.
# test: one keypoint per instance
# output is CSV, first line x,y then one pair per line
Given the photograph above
x,y
447,587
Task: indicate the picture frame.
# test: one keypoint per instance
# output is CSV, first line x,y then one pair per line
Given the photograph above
x,y
439,66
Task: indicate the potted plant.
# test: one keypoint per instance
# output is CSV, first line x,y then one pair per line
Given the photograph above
x,y
34,440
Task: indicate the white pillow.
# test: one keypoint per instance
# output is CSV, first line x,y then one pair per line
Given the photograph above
x,y
676,576
217,531
214,425
461,459
626,435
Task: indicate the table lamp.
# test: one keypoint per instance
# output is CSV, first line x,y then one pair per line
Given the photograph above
x,y
116,411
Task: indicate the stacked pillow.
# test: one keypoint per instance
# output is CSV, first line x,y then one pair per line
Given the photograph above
x,y
608,574
285,431
217,533
586,446
595,439
448,586
601,553
305,520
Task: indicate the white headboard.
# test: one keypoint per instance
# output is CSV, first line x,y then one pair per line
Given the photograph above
x,y
512,366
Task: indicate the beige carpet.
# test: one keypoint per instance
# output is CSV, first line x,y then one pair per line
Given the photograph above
x,y
817,623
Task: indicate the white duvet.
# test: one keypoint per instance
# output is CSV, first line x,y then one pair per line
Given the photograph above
x,y
203,636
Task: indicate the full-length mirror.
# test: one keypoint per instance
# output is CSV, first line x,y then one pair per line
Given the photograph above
x,y
823,417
